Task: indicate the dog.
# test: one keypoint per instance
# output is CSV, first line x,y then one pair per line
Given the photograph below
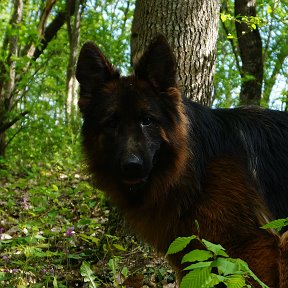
x,y
167,161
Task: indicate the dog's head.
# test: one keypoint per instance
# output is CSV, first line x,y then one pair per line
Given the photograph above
x,y
133,125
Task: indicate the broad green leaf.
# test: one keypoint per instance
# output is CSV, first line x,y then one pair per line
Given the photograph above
x,y
217,249
119,247
197,255
235,281
216,279
226,266
179,244
87,273
198,265
276,224
196,279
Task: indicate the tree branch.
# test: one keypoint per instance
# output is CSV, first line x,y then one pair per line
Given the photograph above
x,y
233,46
29,49
250,48
52,29
6,126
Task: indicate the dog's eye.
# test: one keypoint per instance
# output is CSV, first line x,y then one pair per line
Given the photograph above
x,y
146,121
111,122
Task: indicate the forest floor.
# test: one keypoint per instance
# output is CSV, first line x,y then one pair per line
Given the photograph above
x,y
58,231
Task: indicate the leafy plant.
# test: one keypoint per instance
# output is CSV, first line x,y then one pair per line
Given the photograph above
x,y
201,265
87,273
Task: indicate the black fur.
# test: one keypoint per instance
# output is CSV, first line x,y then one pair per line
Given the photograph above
x,y
259,136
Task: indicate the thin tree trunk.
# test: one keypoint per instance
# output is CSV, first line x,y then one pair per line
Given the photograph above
x,y
8,83
250,48
191,28
71,83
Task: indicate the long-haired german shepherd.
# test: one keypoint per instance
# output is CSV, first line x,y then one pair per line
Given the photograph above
x,y
166,161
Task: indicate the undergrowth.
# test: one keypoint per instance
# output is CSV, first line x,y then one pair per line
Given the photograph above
x,y
57,231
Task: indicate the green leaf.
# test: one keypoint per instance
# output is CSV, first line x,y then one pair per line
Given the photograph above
x,y
125,271
227,266
87,273
90,239
276,224
235,281
197,255
74,256
55,283
217,249
216,279
198,265
55,188
244,267
179,244
196,279
119,247
223,17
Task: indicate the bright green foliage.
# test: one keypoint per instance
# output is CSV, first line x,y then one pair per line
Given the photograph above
x,y
51,218
276,224
272,21
197,279
197,256
179,244
232,272
109,26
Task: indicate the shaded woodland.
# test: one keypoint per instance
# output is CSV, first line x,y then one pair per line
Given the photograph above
x,y
55,229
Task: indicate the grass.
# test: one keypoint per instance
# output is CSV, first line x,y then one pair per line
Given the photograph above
x,y
57,231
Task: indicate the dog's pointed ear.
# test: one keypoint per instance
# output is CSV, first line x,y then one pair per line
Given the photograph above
x,y
93,70
158,64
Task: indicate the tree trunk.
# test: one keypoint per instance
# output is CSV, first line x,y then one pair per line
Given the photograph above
x,y
250,48
73,25
191,28
8,83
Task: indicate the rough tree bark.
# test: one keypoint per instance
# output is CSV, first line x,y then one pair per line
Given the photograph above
x,y
191,28
250,48
73,26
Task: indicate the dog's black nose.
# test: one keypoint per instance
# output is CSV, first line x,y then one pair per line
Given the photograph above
x,y
131,166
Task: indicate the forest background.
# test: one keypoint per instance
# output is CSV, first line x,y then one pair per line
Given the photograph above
x,y
55,229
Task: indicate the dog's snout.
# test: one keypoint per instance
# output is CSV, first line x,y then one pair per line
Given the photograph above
x,y
131,165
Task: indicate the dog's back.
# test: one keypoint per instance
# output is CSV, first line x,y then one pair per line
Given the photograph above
x,y
259,136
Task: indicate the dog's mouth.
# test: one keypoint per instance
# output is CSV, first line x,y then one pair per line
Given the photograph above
x,y
134,181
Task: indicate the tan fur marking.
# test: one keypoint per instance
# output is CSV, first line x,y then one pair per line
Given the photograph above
x,y
283,264
163,135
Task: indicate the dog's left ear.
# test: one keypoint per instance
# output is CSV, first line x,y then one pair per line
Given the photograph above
x,y
158,65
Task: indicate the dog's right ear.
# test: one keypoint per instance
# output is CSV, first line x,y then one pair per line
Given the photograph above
x,y
93,70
